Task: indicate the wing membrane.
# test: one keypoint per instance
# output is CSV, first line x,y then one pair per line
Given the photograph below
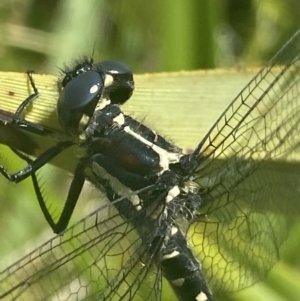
x,y
251,197
97,258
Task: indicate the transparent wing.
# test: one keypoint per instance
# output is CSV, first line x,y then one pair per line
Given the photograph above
x,y
99,258
249,176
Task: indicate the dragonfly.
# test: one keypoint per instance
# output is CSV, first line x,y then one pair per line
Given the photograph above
x,y
202,222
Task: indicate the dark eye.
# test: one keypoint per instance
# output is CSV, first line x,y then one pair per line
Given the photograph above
x,y
120,89
79,97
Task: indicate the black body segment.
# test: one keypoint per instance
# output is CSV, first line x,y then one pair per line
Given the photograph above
x,y
183,270
210,220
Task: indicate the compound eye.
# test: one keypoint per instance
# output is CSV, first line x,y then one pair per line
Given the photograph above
x,y
114,67
119,82
77,101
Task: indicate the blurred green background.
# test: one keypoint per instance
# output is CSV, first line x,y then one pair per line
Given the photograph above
x,y
150,36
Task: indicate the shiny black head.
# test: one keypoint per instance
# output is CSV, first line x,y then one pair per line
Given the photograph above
x,y
88,87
